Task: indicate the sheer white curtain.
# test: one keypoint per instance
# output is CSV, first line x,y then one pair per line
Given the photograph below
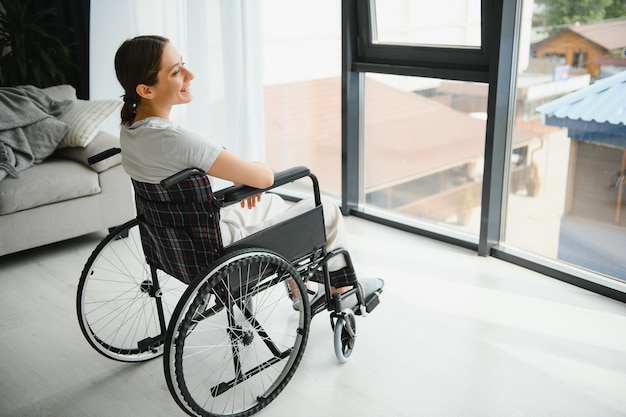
x,y
219,41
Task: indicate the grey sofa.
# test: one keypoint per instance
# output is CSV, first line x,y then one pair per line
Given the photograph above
x,y
63,197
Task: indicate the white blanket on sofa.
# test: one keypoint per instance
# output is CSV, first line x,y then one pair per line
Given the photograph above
x,y
23,112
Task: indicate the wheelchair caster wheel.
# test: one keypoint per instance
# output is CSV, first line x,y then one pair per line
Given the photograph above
x,y
345,335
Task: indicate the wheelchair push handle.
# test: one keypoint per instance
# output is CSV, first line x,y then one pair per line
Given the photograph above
x,y
180,176
103,155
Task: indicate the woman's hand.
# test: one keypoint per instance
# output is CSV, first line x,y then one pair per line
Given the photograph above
x,y
250,202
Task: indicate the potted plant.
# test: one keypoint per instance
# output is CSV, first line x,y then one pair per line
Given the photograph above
x,y
534,181
30,53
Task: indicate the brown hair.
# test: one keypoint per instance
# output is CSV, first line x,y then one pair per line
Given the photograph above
x,y
137,61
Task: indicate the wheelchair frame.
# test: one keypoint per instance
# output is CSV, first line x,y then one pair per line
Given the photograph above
x,y
232,339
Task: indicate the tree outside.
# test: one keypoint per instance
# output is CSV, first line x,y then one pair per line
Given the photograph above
x,y
567,12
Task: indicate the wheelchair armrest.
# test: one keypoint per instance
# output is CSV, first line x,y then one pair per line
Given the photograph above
x,y
240,192
289,175
103,155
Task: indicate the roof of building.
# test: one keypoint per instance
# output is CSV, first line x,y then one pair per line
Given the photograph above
x,y
596,112
406,135
604,101
610,34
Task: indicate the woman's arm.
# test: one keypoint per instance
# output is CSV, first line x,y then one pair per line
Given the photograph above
x,y
231,167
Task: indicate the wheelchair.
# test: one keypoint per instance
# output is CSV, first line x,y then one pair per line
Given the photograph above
x,y
223,318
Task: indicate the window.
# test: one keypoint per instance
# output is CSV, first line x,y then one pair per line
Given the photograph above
x,y
566,191
551,188
580,60
411,164
422,22
424,145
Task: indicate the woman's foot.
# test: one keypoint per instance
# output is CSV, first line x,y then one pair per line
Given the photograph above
x,y
370,289
314,294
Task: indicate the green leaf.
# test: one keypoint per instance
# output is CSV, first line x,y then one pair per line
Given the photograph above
x,y
35,55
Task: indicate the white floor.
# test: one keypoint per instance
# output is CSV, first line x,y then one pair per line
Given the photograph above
x,y
455,335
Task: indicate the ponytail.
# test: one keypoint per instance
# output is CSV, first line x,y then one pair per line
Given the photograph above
x,y
129,109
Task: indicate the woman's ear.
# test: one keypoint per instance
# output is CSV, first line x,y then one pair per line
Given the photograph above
x,y
144,91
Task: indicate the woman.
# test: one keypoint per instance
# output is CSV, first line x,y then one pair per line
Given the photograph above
x,y
154,79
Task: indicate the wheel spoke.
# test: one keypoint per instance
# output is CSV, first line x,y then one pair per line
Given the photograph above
x,y
239,357
116,312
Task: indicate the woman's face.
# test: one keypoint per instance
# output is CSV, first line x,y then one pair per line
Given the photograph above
x,y
173,85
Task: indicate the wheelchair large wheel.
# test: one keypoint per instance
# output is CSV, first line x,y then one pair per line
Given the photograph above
x,y
117,300
236,339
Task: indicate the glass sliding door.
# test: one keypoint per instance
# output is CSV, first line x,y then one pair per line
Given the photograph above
x,y
566,190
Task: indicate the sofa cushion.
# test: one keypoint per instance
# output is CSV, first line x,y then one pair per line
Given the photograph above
x,y
85,119
101,142
53,181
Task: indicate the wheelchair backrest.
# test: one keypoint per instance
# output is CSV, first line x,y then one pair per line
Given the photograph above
x,y
179,226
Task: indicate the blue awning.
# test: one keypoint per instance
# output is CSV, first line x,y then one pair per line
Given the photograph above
x,y
596,113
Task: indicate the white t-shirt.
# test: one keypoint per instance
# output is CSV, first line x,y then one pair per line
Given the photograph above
x,y
155,148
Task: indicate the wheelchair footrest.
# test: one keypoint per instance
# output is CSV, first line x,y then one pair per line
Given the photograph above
x,y
371,302
372,288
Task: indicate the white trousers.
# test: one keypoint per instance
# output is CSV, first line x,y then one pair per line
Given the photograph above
x,y
238,222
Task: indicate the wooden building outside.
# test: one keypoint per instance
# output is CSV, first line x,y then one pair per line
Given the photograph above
x,y
580,46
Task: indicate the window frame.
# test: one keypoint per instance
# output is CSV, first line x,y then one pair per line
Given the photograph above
x,y
453,62
484,64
